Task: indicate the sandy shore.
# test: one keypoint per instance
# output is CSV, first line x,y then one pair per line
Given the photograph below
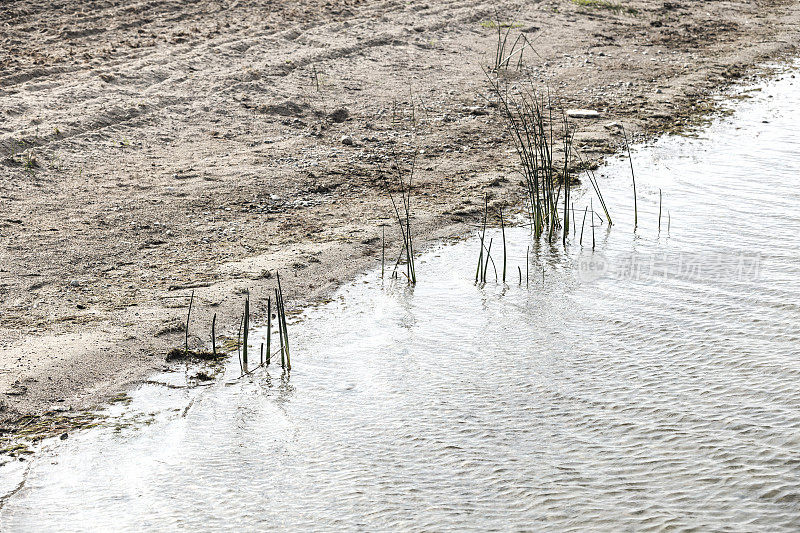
x,y
151,148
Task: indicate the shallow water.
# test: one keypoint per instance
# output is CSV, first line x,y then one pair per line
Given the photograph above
x,y
651,384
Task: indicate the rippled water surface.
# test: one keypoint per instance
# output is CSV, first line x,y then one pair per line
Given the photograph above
x,y
651,384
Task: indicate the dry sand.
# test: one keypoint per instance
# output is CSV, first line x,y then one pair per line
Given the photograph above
x,y
177,144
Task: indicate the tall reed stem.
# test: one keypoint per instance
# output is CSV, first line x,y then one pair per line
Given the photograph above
x,y
503,229
246,331
214,335
186,329
269,328
633,178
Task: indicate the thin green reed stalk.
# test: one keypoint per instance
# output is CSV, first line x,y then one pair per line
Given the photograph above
x,y
659,209
486,261
590,203
262,354
283,323
239,344
596,187
214,335
633,178
383,249
246,331
186,329
408,224
527,266
280,329
285,335
567,150
519,269
489,258
574,226
269,328
479,271
503,229
585,209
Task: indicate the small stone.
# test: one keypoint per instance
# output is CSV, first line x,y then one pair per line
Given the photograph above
x,y
659,91
64,436
347,140
582,113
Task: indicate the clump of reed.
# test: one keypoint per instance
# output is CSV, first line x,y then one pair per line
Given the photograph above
x,y
242,342
507,51
402,212
485,253
529,119
543,138
283,332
